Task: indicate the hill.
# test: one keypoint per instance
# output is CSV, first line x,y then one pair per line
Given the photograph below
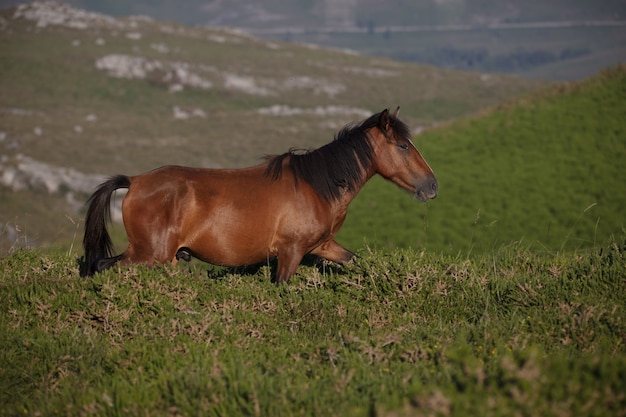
x,y
547,171
84,96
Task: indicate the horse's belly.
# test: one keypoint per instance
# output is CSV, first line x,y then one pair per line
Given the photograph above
x,y
250,227
233,244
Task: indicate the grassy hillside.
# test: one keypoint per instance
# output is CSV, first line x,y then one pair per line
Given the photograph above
x,y
103,96
547,171
407,333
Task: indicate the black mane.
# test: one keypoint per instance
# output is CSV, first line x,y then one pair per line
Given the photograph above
x,y
338,165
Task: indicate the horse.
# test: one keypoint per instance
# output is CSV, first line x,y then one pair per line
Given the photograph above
x,y
289,206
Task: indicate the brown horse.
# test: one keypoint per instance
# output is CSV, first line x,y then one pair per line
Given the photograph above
x,y
289,206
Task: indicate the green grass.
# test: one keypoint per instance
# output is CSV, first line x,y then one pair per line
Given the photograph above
x,y
398,333
546,171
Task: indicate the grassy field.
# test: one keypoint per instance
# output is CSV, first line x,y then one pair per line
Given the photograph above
x,y
546,171
402,333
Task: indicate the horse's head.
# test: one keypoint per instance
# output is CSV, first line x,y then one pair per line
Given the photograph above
x,y
398,160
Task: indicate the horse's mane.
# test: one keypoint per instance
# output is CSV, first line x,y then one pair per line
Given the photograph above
x,y
337,165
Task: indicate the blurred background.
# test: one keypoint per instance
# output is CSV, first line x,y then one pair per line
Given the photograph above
x,y
517,105
555,39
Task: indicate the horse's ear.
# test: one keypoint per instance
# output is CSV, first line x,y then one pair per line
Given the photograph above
x,y
395,113
383,119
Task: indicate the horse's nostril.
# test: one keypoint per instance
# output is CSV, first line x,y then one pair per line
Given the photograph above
x,y
434,187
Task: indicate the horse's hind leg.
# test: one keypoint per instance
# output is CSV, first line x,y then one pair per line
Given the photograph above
x,y
150,245
123,259
150,252
146,257
106,263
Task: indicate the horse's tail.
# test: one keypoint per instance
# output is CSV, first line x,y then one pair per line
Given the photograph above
x,y
97,242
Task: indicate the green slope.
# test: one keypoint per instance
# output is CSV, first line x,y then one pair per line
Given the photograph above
x,y
547,171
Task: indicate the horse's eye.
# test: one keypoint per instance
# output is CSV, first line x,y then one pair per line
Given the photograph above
x,y
403,146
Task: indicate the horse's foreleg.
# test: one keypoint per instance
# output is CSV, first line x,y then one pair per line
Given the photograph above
x,y
288,261
333,251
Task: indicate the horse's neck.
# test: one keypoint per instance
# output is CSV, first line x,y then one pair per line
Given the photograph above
x,y
348,195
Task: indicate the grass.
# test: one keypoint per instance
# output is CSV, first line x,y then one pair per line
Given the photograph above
x,y
399,333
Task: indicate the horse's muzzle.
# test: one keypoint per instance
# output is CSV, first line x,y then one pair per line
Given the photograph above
x,y
427,189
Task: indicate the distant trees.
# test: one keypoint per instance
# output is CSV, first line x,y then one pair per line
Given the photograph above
x,y
481,59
